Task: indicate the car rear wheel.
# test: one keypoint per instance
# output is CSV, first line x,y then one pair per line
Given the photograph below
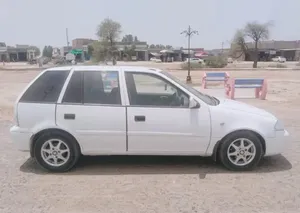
x,y
56,152
241,151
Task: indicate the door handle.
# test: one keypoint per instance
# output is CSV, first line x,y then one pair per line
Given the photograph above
x,y
139,118
69,116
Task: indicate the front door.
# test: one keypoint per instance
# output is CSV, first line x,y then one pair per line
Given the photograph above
x,y
92,111
160,120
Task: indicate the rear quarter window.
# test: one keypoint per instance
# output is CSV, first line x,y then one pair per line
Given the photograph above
x,y
46,88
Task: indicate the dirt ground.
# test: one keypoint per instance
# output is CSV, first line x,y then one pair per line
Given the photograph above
x,y
155,184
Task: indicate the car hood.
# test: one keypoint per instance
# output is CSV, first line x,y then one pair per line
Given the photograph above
x,y
243,107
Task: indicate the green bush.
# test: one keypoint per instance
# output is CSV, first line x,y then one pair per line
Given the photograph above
x,y
194,66
210,62
277,65
215,62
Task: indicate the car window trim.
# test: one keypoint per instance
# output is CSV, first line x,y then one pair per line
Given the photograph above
x,y
154,106
81,73
89,104
63,90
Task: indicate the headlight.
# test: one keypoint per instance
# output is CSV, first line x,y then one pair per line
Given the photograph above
x,y
279,125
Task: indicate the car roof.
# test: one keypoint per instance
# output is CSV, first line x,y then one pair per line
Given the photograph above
x,y
105,68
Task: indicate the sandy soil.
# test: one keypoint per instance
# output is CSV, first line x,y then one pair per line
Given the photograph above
x,y
155,184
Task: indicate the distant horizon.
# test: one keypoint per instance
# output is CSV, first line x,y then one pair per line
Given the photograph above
x,y
184,47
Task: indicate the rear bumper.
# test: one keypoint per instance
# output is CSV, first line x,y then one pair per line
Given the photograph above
x,y
21,138
276,145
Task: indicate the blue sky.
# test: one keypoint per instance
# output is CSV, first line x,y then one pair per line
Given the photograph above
x,y
41,22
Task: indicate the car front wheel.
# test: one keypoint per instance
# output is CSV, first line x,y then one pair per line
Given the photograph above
x,y
241,151
56,152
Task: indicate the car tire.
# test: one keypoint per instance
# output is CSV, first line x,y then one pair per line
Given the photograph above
x,y
61,156
236,157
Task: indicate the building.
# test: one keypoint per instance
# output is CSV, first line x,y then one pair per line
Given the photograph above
x,y
64,50
141,51
55,51
17,53
269,49
78,43
3,52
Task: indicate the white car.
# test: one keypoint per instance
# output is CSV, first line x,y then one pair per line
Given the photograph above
x,y
279,59
229,60
157,60
66,112
195,60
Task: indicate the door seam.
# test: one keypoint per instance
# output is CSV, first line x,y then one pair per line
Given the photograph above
x,y
126,114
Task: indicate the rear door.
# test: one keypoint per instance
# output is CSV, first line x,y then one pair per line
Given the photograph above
x,y
91,109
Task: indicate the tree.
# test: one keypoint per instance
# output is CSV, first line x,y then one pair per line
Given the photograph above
x,y
47,51
50,51
257,32
169,47
254,31
152,46
100,51
128,38
239,46
90,49
108,33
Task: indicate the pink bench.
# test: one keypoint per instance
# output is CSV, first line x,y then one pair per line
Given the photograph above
x,y
259,84
214,76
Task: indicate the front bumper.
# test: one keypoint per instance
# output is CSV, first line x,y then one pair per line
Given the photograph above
x,y
276,145
21,138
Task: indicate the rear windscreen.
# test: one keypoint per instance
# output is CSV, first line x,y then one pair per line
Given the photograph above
x,y
46,88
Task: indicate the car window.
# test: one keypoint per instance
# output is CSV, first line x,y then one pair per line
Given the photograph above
x,y
204,97
146,89
93,87
46,88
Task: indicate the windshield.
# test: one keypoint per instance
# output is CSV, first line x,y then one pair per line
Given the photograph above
x,y
204,97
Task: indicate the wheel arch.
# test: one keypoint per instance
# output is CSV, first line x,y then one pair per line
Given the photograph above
x,y
50,130
217,145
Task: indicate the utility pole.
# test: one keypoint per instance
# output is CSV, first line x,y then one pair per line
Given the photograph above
x,y
67,37
189,32
222,47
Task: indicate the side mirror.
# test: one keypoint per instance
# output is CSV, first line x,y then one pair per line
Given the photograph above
x,y
193,104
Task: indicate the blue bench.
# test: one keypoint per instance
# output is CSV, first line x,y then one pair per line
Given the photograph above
x,y
259,84
214,76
